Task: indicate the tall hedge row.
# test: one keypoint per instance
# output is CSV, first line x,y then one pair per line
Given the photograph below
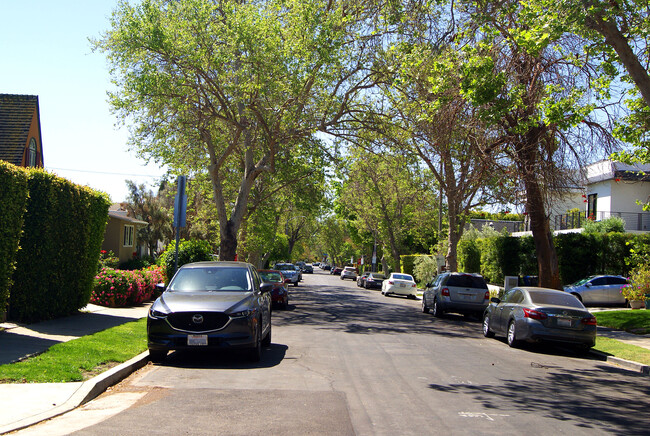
x,y
579,255
63,231
13,196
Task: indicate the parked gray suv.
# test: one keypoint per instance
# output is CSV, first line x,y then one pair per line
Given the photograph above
x,y
456,292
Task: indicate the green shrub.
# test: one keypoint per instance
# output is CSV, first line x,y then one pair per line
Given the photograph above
x,y
13,198
469,256
137,263
107,259
490,267
425,267
188,252
608,225
62,234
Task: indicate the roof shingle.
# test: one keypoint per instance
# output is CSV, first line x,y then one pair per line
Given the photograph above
x,y
16,113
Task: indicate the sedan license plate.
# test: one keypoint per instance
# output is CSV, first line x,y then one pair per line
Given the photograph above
x,y
197,340
564,322
402,285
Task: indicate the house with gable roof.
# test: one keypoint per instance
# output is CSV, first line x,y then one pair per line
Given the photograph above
x,y
20,130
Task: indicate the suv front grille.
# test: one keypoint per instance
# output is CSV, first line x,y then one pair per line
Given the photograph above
x,y
186,321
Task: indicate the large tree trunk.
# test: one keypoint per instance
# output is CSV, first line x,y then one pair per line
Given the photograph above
x,y
455,231
547,262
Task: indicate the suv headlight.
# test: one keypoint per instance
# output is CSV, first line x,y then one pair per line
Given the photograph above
x,y
155,313
242,313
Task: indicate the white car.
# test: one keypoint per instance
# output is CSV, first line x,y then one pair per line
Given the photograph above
x,y
349,272
400,284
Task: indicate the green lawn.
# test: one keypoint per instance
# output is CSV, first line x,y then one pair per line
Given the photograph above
x,y
633,321
82,358
624,351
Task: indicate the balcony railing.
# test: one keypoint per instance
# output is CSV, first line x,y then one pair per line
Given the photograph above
x,y
633,220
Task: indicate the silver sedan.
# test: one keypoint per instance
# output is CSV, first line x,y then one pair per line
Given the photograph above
x,y
539,314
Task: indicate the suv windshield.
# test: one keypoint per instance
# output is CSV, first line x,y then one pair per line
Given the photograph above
x,y
211,279
467,281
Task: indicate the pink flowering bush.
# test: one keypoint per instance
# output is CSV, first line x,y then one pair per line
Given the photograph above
x,y
119,288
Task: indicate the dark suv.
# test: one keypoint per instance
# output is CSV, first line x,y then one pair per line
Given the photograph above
x,y
456,292
211,305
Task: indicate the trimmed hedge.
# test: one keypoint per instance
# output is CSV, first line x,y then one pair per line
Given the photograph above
x,y
13,197
579,255
63,230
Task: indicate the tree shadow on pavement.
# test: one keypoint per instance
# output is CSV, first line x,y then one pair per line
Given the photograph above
x,y
602,398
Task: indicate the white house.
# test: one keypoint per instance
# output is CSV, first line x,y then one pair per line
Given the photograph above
x,y
608,189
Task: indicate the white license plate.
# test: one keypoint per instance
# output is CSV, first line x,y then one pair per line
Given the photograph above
x,y
197,340
466,297
402,285
563,322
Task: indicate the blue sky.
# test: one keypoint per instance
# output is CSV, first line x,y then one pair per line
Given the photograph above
x,y
44,51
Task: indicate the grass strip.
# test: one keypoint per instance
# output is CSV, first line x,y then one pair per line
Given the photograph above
x,y
623,351
632,321
81,358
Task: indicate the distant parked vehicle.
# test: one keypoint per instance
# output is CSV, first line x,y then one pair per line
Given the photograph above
x,y
374,280
326,267
463,293
289,272
349,272
361,278
280,292
399,284
336,270
308,269
539,314
603,289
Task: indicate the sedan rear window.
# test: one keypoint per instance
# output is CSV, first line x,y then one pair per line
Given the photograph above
x,y
211,279
402,277
555,299
378,276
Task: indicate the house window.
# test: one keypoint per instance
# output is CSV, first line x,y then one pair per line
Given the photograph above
x,y
591,206
128,236
31,153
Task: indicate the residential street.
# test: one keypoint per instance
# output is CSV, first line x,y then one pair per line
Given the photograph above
x,y
345,360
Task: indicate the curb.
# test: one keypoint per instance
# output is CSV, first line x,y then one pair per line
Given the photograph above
x,y
88,390
625,364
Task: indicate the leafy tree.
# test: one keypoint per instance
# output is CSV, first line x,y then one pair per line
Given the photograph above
x,y
144,205
206,94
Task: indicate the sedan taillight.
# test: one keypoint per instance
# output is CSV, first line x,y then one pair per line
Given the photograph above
x,y
590,320
534,314
445,292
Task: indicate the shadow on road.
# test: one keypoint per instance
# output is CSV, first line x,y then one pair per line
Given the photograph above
x,y
561,394
224,359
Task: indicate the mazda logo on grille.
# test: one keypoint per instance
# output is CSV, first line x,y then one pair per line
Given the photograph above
x,y
197,319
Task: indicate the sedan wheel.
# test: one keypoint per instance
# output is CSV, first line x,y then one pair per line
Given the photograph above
x,y
512,334
486,327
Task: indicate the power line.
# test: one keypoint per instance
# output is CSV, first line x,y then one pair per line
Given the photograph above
x,y
104,172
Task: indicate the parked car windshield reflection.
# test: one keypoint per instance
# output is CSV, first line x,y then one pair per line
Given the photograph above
x,y
211,279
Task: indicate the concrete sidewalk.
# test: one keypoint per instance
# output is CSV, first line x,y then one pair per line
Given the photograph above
x,y
22,405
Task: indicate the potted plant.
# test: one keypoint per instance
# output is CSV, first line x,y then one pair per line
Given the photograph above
x,y
638,290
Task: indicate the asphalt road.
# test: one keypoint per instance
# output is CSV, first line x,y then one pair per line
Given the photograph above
x,y
346,360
